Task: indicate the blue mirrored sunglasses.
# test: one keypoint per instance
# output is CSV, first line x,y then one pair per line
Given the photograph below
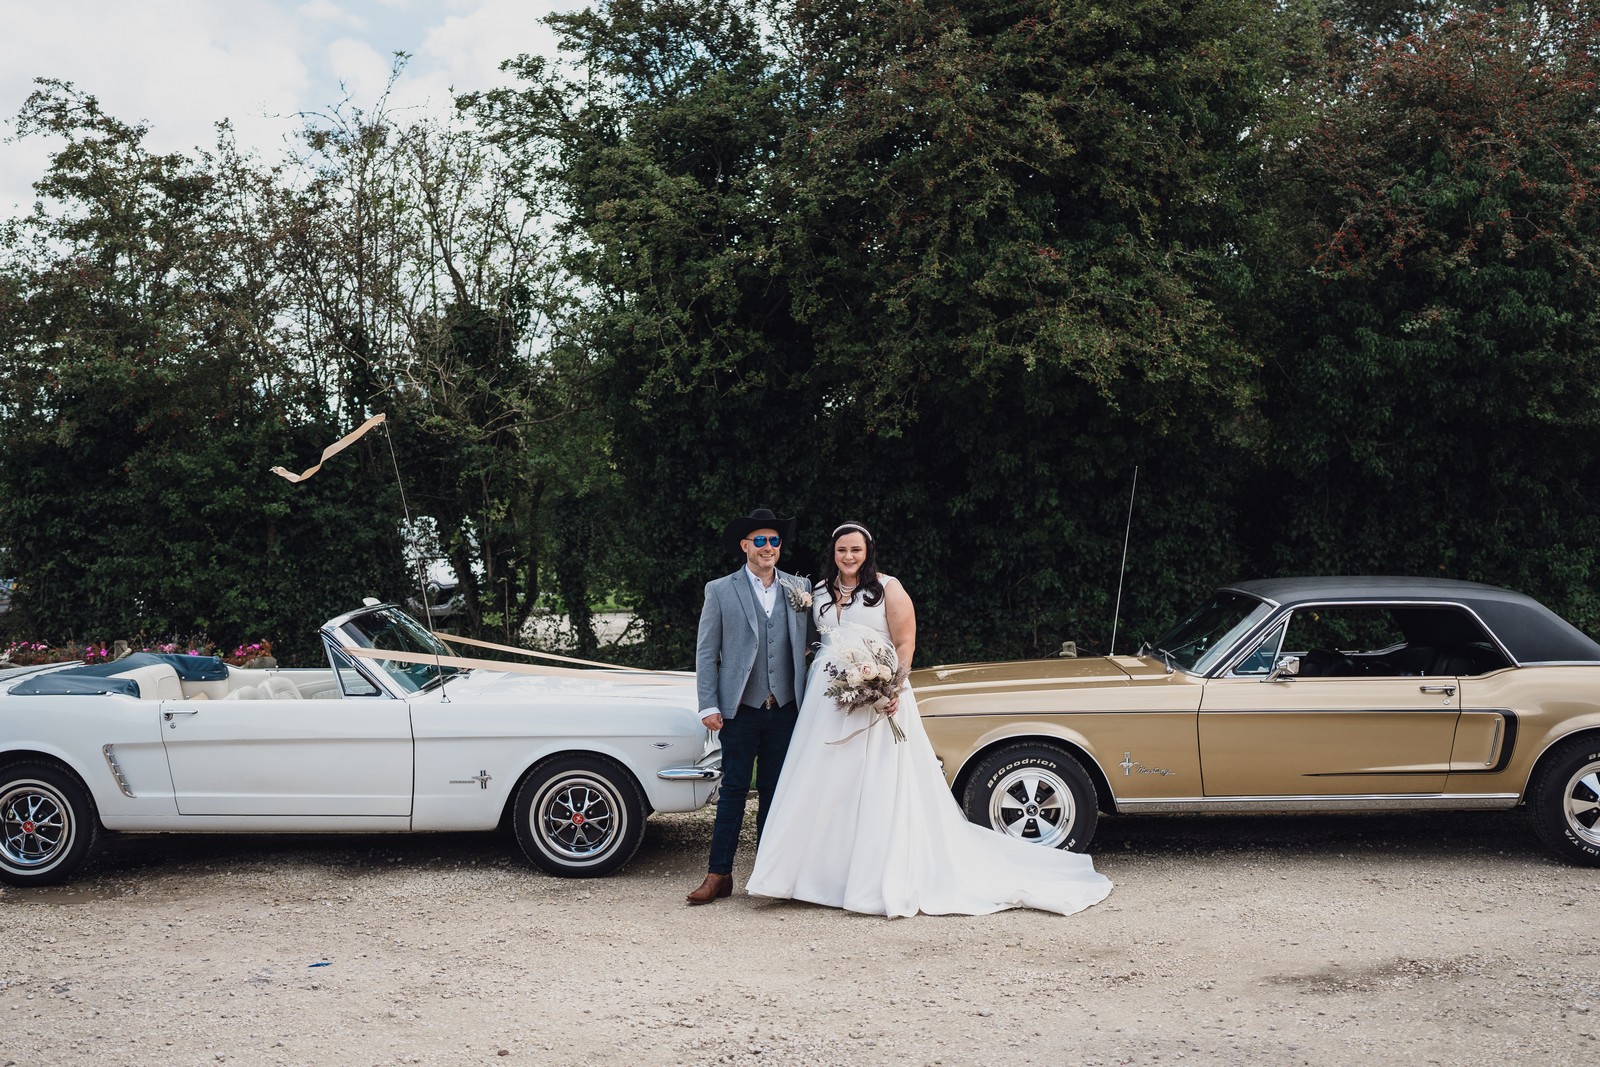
x,y
763,540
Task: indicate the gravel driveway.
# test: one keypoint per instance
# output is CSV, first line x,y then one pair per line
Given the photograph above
x,y
1405,939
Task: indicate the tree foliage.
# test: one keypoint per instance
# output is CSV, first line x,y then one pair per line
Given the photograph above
x,y
419,262
1323,272
1439,387
144,395
914,264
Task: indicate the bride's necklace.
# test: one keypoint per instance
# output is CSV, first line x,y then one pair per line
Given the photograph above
x,y
847,594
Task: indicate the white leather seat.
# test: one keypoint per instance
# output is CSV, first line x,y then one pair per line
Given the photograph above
x,y
244,692
205,690
277,687
157,681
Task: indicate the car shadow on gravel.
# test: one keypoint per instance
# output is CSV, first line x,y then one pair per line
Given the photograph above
x,y
1419,836
353,855
676,845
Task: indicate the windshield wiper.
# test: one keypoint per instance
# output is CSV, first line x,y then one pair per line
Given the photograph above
x,y
443,673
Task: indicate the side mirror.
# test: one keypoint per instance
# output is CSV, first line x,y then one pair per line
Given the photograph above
x,y
1287,667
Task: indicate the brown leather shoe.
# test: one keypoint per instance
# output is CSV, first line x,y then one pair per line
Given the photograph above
x,y
714,887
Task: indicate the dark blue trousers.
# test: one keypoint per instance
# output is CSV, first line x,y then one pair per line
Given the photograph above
x,y
758,736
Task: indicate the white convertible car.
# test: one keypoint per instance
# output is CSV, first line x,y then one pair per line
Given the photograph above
x,y
395,735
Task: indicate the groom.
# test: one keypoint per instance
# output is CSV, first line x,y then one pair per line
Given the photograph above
x,y
750,666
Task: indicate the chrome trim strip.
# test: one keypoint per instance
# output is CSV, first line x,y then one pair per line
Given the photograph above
x,y
109,752
1494,741
1370,802
690,774
1561,663
1031,685
1375,709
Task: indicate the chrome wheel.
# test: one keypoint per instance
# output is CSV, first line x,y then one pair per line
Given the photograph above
x,y
1583,803
36,826
1033,805
1564,800
1033,791
579,817
48,824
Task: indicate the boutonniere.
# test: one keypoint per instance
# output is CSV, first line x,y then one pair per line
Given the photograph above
x,y
799,595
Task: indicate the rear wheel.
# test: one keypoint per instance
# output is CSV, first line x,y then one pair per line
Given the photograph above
x,y
48,824
579,817
1034,792
1564,802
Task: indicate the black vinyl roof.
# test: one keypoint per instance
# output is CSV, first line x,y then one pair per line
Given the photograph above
x,y
1531,632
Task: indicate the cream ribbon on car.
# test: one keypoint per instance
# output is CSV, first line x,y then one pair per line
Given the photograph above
x,y
332,450
635,675
454,639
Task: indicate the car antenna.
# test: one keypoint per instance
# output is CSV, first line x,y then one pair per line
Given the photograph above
x,y
422,573
1117,612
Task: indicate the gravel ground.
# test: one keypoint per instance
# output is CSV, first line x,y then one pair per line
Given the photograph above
x,y
1442,939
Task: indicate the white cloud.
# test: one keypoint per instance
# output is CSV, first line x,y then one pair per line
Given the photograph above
x,y
360,68
468,49
182,65
178,65
327,11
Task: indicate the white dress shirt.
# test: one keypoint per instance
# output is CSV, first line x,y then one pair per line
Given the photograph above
x,y
766,595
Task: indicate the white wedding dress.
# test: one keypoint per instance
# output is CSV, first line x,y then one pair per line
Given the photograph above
x,y
869,824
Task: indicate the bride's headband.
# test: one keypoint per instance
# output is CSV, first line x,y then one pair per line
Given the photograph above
x,y
854,526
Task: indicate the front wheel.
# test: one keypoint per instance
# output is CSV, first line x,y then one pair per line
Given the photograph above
x,y
579,817
1036,793
1564,802
48,824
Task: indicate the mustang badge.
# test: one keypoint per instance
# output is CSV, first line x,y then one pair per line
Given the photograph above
x,y
1129,765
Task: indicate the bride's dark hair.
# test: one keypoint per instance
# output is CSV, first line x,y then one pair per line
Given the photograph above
x,y
867,583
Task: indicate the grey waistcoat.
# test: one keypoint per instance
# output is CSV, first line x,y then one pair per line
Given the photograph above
x,y
774,669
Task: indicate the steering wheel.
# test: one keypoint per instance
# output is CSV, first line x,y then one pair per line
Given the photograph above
x,y
1326,663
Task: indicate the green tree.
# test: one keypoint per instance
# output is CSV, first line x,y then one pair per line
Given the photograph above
x,y
950,269
420,274
1437,391
144,394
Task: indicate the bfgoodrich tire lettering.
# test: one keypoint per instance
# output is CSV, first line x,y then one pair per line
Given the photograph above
x,y
1034,792
579,817
1564,802
48,824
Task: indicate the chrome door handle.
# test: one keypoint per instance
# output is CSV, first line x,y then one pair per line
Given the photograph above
x,y
1447,690
168,716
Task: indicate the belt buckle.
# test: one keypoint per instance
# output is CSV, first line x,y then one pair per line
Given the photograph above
x,y
770,703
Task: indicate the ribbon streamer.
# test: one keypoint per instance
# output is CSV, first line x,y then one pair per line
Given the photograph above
x,y
332,450
551,655
646,678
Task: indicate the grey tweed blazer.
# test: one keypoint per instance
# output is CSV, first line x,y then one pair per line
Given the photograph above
x,y
725,648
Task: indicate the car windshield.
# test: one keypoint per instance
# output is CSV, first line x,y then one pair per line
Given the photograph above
x,y
1207,634
392,630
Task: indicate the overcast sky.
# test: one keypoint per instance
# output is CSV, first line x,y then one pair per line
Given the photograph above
x,y
183,65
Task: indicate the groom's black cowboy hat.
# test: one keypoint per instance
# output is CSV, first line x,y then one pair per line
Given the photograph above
x,y
759,519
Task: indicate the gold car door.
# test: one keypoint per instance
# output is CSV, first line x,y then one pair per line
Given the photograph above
x,y
1334,736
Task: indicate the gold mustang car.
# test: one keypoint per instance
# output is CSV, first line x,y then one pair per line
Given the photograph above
x,y
1290,695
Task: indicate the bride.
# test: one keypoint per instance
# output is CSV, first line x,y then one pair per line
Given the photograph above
x,y
864,821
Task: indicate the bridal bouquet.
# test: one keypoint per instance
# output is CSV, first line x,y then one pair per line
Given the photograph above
x,y
863,672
